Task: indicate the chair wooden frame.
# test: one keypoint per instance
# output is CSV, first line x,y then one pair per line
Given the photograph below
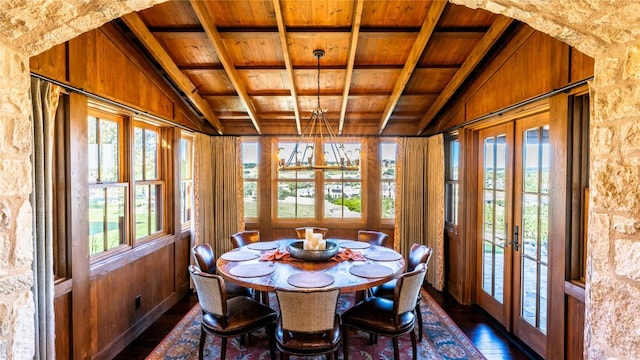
x,y
373,237
384,317
308,323
419,254
227,318
300,231
243,238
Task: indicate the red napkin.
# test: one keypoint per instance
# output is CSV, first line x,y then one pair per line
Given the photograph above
x,y
277,254
348,254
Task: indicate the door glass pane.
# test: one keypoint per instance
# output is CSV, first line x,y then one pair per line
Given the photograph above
x,y
499,274
487,268
543,298
250,199
544,228
531,160
529,290
500,221
530,225
488,215
545,163
500,165
489,162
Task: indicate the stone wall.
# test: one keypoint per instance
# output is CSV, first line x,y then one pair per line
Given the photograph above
x,y
16,242
604,29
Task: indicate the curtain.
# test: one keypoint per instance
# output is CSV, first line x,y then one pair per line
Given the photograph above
x,y
420,201
217,191
44,98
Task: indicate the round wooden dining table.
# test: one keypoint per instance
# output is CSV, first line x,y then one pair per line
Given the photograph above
x,y
246,266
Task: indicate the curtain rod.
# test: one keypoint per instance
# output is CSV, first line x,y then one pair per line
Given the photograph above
x,y
522,103
109,101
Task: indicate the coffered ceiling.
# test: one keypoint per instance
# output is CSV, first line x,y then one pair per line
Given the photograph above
x,y
247,66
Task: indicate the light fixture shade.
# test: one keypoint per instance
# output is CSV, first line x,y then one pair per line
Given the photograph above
x,y
303,156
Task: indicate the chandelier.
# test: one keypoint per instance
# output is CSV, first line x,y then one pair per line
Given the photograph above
x,y
317,130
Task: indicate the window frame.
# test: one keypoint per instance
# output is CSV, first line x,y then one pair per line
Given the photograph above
x,y
382,180
160,180
255,180
121,121
319,183
451,180
189,137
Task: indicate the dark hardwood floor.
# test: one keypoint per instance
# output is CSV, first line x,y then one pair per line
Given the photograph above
x,y
488,336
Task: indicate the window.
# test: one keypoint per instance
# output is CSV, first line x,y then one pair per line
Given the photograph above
x,y
148,183
315,194
107,191
250,178
388,155
451,186
186,179
125,183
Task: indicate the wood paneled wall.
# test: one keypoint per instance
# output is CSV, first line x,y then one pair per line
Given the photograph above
x,y
95,308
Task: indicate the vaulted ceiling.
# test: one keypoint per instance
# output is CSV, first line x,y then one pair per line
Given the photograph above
x,y
248,68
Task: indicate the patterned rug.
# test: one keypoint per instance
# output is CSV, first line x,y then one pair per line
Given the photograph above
x,y
442,339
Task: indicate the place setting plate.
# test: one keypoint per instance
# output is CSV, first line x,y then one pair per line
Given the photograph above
x,y
382,255
251,270
266,245
370,270
310,280
354,245
239,256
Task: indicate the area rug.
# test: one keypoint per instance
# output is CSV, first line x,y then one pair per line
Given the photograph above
x,y
442,339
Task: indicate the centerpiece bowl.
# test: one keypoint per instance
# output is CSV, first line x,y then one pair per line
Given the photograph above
x,y
297,250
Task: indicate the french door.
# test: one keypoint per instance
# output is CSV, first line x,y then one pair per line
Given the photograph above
x,y
513,210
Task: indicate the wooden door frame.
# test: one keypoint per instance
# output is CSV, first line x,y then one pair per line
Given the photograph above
x,y
535,340
502,312
558,107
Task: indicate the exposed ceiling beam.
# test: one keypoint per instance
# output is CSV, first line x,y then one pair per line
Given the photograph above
x,y
499,26
140,30
429,24
282,31
353,45
200,8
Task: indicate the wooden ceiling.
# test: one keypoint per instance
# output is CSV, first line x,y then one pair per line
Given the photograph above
x,y
248,67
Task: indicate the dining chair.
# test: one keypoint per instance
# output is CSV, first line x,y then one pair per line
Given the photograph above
x,y
384,317
229,317
419,254
308,323
243,238
206,261
300,232
373,237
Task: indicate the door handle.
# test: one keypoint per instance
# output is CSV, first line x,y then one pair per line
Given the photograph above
x,y
514,242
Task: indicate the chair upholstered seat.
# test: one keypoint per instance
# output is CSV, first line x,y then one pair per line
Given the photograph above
x,y
383,323
311,343
243,314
